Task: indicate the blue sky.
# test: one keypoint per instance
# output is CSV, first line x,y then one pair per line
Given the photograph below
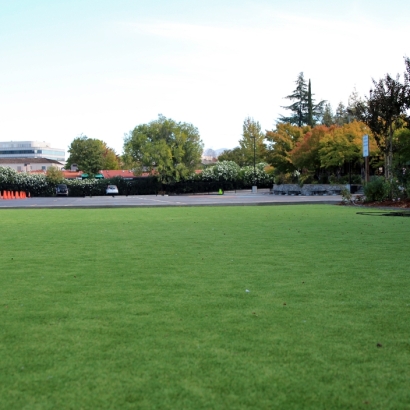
x,y
102,67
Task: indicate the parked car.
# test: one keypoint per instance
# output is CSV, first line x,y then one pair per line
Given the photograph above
x,y
112,190
62,189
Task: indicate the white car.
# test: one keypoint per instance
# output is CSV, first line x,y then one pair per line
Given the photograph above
x,y
112,190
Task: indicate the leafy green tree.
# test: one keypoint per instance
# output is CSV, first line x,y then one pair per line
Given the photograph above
x,y
304,110
383,112
401,139
236,155
110,159
252,142
170,149
87,153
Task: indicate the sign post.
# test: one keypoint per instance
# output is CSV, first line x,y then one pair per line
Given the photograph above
x,y
366,156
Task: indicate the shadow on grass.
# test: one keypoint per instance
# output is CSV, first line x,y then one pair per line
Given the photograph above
x,y
403,213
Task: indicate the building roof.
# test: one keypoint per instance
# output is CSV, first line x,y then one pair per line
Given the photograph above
x,y
106,173
38,171
112,173
23,160
72,174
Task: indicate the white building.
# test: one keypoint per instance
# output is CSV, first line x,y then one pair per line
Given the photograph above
x,y
30,164
31,149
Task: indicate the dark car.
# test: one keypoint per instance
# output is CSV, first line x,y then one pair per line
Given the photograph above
x,y
62,189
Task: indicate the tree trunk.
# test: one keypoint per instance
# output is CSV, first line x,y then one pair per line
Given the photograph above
x,y
389,162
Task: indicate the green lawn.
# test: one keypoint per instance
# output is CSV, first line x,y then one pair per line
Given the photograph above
x,y
149,308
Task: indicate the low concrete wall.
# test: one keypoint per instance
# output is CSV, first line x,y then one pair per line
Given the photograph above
x,y
308,189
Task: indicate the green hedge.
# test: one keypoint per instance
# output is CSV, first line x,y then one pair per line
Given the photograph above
x,y
37,185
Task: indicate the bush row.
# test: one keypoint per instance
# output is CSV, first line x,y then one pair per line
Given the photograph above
x,y
225,175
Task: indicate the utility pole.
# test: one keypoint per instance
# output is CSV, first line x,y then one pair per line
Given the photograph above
x,y
254,187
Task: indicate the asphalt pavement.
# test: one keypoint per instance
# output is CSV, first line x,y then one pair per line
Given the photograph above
x,y
239,198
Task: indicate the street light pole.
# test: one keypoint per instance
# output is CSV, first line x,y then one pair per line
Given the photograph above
x,y
254,164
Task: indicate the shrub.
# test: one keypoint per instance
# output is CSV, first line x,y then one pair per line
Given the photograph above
x,y
346,195
279,179
227,171
287,178
306,177
395,190
248,174
377,189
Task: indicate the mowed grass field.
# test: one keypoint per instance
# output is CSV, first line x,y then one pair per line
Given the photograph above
x,y
287,307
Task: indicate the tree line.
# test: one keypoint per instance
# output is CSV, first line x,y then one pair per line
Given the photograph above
x,y
311,143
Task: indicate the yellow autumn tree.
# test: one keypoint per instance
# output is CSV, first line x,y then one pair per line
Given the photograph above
x,y
341,145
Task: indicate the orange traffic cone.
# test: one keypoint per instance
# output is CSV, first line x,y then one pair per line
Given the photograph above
x,y
7,195
17,195
23,195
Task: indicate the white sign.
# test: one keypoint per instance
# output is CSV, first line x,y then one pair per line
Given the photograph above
x,y
365,145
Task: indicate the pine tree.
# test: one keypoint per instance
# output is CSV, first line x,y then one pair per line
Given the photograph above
x,y
298,108
316,110
352,102
327,117
305,111
310,106
341,116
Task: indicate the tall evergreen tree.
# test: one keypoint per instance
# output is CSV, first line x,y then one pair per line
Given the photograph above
x,y
341,116
315,109
304,110
327,117
298,108
310,105
352,102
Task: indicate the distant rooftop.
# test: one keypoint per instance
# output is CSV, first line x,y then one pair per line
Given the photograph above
x,y
28,160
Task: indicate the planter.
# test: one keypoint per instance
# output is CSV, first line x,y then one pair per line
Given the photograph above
x,y
307,189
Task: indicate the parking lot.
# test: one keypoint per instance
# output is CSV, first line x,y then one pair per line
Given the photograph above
x,y
263,197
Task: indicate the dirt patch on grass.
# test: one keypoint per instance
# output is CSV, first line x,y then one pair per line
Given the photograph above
x,y
403,204
398,204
